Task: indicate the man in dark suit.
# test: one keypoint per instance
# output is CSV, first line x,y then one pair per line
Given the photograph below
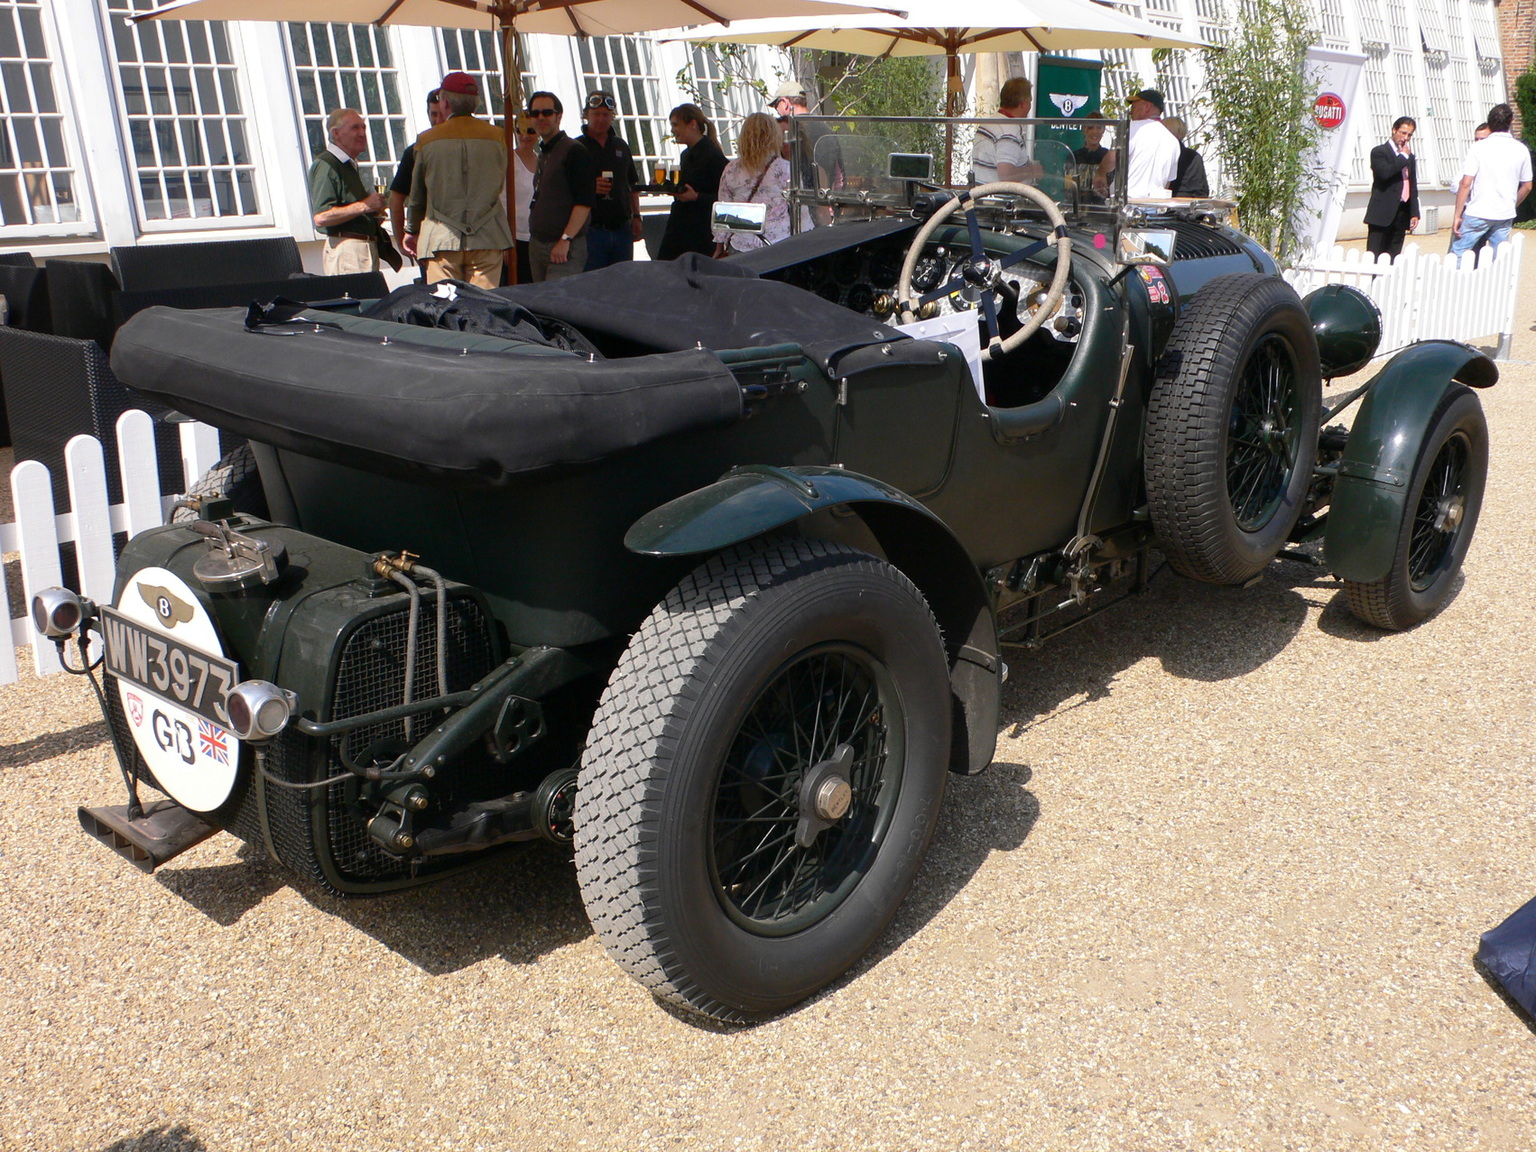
x,y
1393,209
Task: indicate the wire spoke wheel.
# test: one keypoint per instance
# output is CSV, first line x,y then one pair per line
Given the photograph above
x,y
771,874
1441,509
763,776
1438,516
1266,428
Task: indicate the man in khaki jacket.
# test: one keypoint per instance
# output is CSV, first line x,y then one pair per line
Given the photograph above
x,y
456,218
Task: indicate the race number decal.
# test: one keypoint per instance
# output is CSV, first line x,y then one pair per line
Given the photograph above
x,y
174,680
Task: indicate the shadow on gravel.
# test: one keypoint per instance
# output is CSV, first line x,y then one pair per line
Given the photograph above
x,y
518,906
225,892
1509,1001
172,1138
52,744
993,812
1338,620
1197,631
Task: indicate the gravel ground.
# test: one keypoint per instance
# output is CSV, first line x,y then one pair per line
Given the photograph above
x,y
1222,889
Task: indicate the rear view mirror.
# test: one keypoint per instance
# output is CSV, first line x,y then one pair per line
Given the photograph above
x,y
750,218
915,166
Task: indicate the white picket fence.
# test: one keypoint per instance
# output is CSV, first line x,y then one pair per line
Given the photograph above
x,y
91,521
1424,296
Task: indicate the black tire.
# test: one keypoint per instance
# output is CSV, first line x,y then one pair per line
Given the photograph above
x,y
234,477
693,782
1232,428
1445,496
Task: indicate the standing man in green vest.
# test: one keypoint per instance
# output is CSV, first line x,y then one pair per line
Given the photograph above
x,y
346,213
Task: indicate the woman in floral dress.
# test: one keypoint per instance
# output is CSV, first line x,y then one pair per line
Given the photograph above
x,y
759,175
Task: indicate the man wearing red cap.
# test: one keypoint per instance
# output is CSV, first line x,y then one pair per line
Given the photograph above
x,y
456,222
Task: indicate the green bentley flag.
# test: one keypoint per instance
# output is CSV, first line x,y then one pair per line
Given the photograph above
x,y
1064,87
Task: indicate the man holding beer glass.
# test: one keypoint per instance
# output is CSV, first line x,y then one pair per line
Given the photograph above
x,y
615,225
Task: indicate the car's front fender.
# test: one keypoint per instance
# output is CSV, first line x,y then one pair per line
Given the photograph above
x,y
1370,496
749,501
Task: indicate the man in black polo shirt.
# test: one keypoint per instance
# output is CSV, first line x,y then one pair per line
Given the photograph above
x,y
615,225
400,186
564,191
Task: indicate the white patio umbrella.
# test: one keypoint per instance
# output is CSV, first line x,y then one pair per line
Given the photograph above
x,y
950,28
555,17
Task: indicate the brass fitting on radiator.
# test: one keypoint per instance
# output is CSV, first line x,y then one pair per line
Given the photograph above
x,y
404,562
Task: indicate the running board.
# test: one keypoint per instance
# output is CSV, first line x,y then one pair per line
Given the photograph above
x,y
164,831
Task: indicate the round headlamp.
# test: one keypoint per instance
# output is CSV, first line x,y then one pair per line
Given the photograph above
x,y
57,613
259,710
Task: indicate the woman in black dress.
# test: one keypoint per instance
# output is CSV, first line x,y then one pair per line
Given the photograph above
x,y
698,180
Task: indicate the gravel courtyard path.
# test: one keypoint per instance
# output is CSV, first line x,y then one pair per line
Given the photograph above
x,y
1221,890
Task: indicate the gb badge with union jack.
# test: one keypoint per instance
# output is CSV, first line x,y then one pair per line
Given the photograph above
x,y
213,741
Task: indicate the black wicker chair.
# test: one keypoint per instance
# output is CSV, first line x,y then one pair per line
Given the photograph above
x,y
147,267
80,299
25,288
57,387
17,259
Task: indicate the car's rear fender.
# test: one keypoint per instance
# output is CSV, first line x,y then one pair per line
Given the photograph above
x,y
753,500
1370,496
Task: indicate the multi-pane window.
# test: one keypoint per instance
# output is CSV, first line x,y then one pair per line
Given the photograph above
x,y
1119,78
1461,91
1432,29
1379,106
349,66
626,66
1373,29
1173,79
723,81
1404,25
38,185
479,54
1445,144
1484,34
186,123
1412,103
1335,31
1164,13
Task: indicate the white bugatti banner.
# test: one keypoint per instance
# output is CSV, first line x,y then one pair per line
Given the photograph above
x,y
1337,78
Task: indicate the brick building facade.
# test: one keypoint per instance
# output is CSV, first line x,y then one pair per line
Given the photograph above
x,y
1517,38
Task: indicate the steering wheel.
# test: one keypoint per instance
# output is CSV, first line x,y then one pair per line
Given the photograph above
x,y
983,273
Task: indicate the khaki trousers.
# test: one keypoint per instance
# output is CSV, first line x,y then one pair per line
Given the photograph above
x,y
479,266
344,256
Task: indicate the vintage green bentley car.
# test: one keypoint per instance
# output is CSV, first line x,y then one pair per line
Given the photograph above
x,y
708,567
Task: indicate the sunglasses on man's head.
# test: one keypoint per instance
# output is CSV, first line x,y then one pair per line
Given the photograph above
x,y
541,111
598,100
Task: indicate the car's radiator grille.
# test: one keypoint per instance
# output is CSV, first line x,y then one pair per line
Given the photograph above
x,y
369,676
1196,241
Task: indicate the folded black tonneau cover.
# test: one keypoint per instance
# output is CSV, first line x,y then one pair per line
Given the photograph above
x,y
477,409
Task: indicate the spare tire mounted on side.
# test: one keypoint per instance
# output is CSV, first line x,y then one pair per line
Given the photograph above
x,y
1232,428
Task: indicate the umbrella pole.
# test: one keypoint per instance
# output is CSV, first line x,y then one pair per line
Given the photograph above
x,y
511,97
952,86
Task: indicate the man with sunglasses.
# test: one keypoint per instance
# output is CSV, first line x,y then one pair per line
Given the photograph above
x,y
564,191
615,225
456,221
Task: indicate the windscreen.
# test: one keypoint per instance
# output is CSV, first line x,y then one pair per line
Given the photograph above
x,y
845,168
